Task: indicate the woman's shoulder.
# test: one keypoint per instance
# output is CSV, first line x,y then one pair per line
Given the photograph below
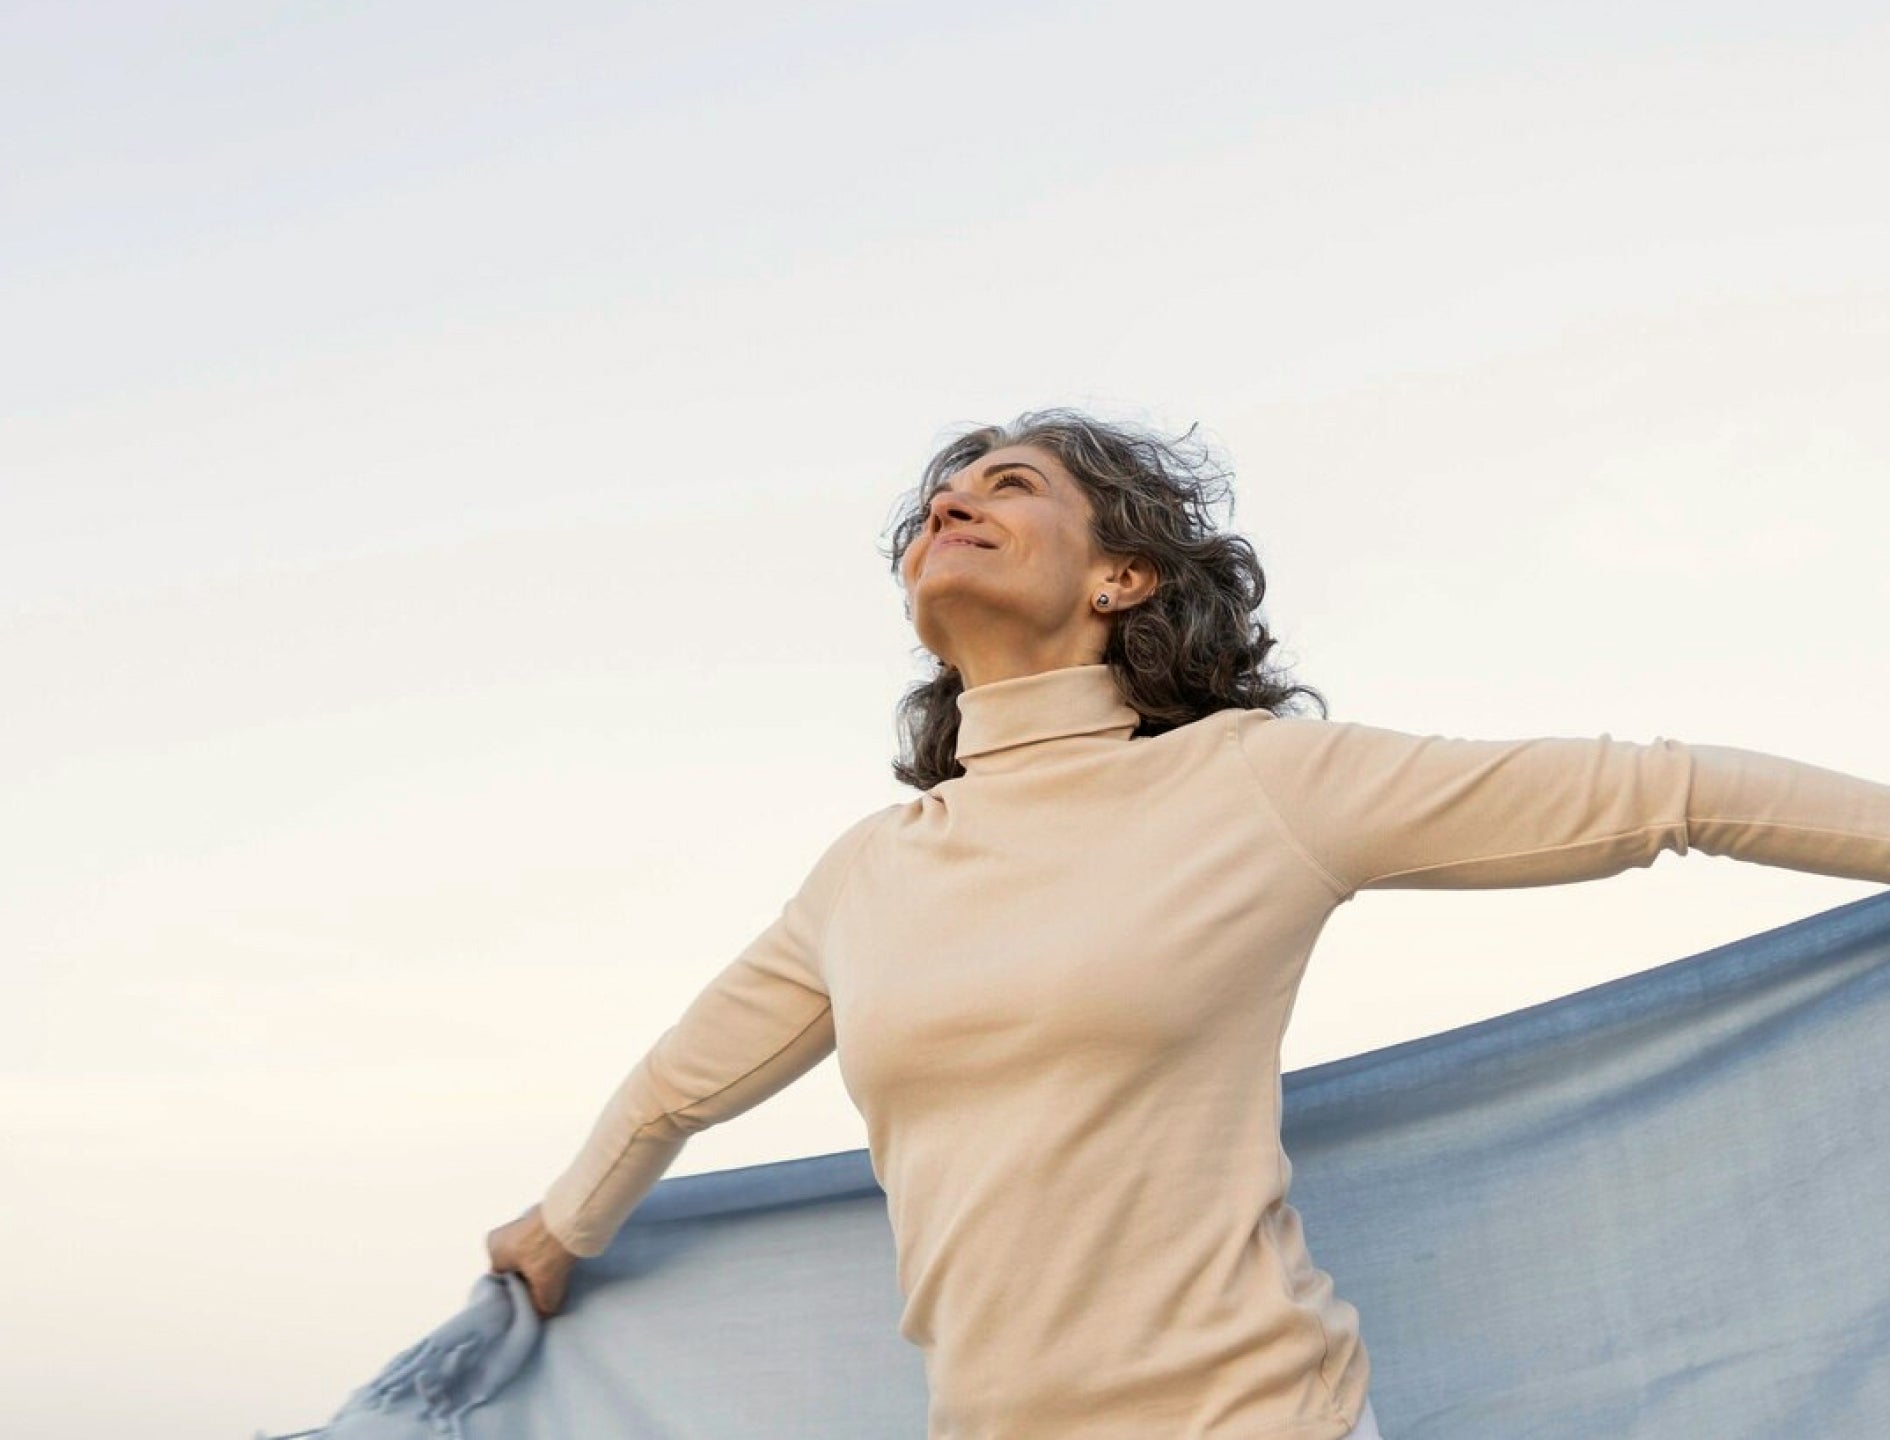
x,y
1293,739
854,836
1217,726
1198,742
861,831
1289,726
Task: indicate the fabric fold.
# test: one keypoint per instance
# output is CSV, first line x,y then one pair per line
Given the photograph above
x,y
431,1386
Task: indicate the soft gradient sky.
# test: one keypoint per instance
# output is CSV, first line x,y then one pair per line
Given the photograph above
x,y
443,455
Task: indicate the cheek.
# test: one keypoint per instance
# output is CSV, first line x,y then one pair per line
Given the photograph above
x,y
1075,551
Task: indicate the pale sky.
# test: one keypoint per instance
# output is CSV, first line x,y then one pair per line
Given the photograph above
x,y
444,452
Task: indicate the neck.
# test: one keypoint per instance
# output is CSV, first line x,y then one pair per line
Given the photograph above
x,y
986,641
992,663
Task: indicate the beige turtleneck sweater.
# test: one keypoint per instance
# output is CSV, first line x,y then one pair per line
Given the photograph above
x,y
1057,985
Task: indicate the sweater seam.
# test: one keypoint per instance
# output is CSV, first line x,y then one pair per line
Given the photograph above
x,y
1779,825
1499,855
672,1112
1331,881
1281,1187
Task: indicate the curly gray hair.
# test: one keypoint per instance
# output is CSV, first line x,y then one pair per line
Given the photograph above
x,y
1195,646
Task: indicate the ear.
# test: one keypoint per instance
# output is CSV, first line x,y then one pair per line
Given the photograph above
x,y
1133,579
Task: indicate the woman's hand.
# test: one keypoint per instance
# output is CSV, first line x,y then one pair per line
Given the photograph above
x,y
527,1247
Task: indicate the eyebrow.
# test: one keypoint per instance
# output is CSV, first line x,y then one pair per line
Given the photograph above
x,y
991,470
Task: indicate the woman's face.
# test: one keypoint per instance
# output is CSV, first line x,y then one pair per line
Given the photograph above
x,y
1004,570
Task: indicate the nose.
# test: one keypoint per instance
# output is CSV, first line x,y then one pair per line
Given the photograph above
x,y
949,502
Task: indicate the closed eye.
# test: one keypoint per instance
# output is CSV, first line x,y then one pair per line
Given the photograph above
x,y
1012,476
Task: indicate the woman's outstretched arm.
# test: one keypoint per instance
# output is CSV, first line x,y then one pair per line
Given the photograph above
x,y
1372,807
759,1025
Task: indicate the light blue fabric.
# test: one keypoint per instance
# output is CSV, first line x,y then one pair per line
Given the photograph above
x,y
432,1385
1658,1208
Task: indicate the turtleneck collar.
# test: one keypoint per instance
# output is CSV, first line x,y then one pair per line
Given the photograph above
x,y
1049,705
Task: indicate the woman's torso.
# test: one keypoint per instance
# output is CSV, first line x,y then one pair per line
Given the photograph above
x,y
1059,984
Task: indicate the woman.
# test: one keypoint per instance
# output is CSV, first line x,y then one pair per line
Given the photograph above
x,y
1058,977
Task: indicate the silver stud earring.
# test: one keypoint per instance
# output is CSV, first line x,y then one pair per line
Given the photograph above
x,y
1102,602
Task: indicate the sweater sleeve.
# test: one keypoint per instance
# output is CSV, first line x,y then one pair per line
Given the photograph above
x,y
759,1025
1372,807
